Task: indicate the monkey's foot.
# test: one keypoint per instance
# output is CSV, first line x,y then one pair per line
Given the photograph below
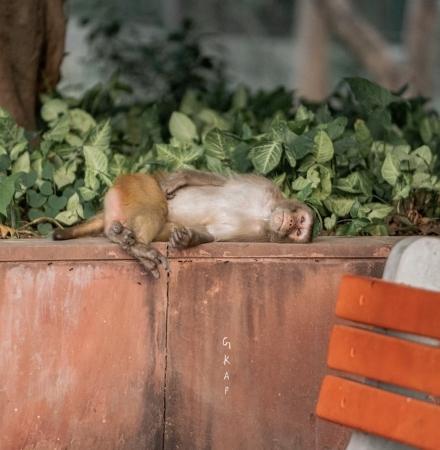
x,y
181,237
148,257
121,235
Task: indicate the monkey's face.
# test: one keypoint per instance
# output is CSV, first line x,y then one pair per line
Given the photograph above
x,y
292,221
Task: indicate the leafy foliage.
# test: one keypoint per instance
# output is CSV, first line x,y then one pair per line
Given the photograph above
x,y
366,160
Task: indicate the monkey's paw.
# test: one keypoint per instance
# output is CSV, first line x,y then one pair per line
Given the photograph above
x,y
150,258
121,235
181,237
173,183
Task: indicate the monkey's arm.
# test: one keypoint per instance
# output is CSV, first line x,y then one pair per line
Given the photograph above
x,y
172,182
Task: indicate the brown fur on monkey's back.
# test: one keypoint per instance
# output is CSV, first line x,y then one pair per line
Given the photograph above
x,y
130,196
134,195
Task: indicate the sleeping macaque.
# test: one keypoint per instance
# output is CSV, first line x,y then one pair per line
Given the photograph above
x,y
202,207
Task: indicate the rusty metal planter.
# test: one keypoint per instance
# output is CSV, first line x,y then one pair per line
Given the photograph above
x,y
227,352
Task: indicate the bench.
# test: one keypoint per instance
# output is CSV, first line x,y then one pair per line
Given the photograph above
x,y
388,355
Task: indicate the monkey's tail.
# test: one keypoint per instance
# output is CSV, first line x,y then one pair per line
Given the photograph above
x,y
93,226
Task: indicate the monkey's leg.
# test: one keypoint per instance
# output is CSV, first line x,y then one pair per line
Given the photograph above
x,y
172,182
147,256
184,237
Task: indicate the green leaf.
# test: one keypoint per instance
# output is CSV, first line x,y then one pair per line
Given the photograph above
x,y
178,157
215,165
34,214
53,109
211,118
379,211
65,175
390,170
336,128
48,171
426,131
218,144
96,164
300,183
59,131
425,155
34,199
182,127
340,206
370,95
5,162
266,156
303,145
28,179
23,164
240,98
46,188
44,228
100,137
290,155
67,217
74,204
81,120
362,133
7,189
330,222
323,147
17,149
57,203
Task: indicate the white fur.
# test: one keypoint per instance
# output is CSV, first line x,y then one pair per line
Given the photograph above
x,y
241,204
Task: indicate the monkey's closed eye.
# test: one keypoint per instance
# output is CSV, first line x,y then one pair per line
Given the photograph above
x,y
298,232
302,219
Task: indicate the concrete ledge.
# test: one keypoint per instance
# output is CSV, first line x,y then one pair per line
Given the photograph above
x,y
101,249
227,351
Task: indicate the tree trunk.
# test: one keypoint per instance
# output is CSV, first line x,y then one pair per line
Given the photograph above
x,y
364,41
419,34
31,50
313,42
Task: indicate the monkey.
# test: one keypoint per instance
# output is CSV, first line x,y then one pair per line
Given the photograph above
x,y
206,207
188,208
135,211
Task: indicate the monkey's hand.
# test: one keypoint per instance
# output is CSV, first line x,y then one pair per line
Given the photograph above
x,y
184,237
172,183
181,237
148,257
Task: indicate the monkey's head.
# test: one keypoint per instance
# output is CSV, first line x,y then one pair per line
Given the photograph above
x,y
292,221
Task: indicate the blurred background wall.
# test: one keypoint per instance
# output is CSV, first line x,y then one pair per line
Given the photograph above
x,y
266,43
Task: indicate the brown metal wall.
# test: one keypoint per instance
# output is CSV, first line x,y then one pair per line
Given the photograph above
x,y
92,351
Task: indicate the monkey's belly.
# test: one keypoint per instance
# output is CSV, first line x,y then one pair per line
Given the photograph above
x,y
224,214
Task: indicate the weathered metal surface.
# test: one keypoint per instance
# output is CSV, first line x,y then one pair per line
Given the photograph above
x,y
260,393
81,356
87,342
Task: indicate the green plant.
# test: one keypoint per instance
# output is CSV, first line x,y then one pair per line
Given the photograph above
x,y
366,160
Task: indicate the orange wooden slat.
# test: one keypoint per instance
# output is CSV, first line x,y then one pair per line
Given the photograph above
x,y
389,305
383,413
385,358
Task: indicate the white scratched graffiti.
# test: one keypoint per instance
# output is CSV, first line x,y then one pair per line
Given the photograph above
x,y
226,363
